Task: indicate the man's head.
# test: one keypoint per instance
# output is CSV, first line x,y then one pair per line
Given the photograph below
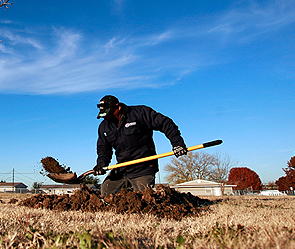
x,y
107,105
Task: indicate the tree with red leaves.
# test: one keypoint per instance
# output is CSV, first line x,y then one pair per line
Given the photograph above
x,y
287,182
244,178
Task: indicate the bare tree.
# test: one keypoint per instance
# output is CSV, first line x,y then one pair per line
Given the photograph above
x,y
5,3
220,171
204,166
190,167
37,185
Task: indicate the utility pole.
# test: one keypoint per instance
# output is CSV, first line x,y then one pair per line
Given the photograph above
x,y
13,180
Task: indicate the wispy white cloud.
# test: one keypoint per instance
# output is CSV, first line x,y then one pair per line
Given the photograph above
x,y
17,39
5,21
115,43
4,49
67,61
118,6
68,42
252,19
69,67
160,38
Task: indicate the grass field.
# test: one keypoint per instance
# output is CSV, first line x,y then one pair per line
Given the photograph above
x,y
234,222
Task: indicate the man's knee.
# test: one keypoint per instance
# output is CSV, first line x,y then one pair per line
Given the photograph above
x,y
105,190
144,182
113,187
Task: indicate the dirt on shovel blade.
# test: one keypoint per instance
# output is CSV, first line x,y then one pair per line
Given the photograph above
x,y
50,165
164,202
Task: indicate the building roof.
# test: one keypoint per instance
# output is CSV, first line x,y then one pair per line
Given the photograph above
x,y
63,186
200,184
60,186
15,184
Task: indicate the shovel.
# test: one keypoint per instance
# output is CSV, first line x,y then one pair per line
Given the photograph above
x,y
71,178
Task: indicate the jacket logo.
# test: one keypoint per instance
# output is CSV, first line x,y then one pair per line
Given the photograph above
x,y
130,124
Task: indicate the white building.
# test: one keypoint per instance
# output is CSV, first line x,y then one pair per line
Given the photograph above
x,y
16,187
59,189
271,193
204,187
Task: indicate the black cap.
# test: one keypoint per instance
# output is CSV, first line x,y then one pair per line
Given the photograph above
x,y
106,104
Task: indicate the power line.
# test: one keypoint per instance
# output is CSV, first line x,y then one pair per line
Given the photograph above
x,y
16,176
24,174
6,179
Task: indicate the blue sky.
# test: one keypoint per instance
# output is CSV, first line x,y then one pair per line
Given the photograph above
x,y
219,69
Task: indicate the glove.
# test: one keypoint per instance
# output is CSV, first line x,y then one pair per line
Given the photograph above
x,y
98,170
179,151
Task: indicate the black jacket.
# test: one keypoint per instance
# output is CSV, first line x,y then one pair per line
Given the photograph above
x,y
133,139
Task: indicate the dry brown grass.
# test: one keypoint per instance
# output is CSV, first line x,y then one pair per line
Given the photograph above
x,y
8,196
235,222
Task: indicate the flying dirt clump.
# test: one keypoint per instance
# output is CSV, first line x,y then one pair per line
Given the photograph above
x,y
50,165
164,202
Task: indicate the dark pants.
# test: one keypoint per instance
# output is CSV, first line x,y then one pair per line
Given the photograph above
x,y
113,185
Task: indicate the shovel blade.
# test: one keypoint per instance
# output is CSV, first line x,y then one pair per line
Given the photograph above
x,y
70,178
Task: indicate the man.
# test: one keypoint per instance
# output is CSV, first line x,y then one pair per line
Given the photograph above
x,y
129,130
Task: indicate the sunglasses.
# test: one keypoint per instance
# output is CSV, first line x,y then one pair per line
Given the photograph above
x,y
104,105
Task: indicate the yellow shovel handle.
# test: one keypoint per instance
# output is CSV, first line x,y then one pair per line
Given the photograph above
x,y
171,153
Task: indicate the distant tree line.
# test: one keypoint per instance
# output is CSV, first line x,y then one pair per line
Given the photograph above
x,y
222,169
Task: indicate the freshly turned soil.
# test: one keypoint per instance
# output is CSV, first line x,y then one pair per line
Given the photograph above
x,y
50,165
164,202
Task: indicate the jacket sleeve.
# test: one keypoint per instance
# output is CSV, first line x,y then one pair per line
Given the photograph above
x,y
104,150
157,121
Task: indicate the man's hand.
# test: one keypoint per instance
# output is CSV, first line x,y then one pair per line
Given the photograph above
x,y
98,170
179,151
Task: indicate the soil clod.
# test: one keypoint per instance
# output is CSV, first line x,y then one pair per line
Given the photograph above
x,y
50,165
